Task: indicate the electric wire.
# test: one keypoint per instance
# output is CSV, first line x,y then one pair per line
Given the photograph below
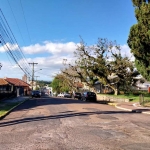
x,y
8,45
15,20
13,36
25,20
11,46
10,53
9,37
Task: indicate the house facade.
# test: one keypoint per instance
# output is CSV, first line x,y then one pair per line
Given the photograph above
x,y
17,87
5,89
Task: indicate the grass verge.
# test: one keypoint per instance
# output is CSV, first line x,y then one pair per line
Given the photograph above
x,y
6,107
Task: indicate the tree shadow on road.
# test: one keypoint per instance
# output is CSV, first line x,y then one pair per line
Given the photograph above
x,y
35,102
59,116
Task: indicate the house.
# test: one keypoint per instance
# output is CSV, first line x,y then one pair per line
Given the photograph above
x,y
79,86
5,89
4,85
18,87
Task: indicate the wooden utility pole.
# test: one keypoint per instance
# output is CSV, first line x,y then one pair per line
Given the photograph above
x,y
36,81
33,72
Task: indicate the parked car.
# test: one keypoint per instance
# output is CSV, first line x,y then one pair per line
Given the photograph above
x,y
60,95
77,95
36,94
89,96
67,95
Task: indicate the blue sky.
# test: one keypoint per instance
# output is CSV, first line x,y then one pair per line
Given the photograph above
x,y
51,29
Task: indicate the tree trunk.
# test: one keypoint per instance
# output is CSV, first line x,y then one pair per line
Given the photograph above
x,y
116,91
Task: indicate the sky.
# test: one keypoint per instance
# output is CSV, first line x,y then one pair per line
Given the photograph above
x,y
48,31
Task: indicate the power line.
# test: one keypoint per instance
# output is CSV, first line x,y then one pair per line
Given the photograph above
x,y
15,20
25,20
10,53
12,35
11,46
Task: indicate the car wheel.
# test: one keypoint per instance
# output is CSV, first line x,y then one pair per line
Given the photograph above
x,y
84,99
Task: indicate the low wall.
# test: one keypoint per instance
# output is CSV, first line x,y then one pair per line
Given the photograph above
x,y
111,98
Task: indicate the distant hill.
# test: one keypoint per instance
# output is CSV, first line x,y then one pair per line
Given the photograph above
x,y
43,83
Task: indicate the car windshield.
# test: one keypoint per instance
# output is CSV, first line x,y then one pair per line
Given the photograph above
x,y
78,93
36,91
91,93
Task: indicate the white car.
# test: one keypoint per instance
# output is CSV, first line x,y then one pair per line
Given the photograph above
x,y
60,95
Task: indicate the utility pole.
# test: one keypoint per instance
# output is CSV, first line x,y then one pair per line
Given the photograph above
x,y
33,72
36,81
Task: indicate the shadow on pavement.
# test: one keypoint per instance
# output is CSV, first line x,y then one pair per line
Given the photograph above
x,y
35,102
31,119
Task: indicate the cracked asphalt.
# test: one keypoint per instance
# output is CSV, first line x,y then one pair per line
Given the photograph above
x,y
50,123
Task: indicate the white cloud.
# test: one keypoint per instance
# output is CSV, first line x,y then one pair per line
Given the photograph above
x,y
50,64
125,51
49,47
8,45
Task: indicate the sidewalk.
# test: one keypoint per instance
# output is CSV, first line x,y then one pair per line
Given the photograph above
x,y
133,107
15,99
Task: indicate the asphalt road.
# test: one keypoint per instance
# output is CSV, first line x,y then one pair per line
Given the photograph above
x,y
67,124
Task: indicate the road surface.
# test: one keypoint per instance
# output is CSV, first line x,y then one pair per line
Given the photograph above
x,y
67,124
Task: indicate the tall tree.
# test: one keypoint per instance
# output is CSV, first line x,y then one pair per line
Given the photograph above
x,y
105,63
139,37
62,83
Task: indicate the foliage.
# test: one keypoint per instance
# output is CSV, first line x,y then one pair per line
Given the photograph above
x,y
104,62
139,37
60,84
42,83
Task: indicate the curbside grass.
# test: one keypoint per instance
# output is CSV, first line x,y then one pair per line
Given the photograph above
x,y
8,107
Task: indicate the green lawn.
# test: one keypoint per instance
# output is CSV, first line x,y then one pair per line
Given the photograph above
x,y
5,107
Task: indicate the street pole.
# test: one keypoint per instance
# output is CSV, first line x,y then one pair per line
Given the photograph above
x,y
36,81
33,72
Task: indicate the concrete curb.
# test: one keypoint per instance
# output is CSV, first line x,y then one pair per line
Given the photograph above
x,y
124,108
127,109
148,113
5,114
115,104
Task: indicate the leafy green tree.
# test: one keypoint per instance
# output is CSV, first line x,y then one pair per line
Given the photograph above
x,y
139,37
104,62
42,83
61,83
56,85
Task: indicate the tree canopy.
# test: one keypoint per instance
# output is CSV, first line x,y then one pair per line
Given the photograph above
x,y
103,62
62,83
139,37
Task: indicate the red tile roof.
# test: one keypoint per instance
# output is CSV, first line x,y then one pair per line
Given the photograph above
x,y
3,82
16,82
78,84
